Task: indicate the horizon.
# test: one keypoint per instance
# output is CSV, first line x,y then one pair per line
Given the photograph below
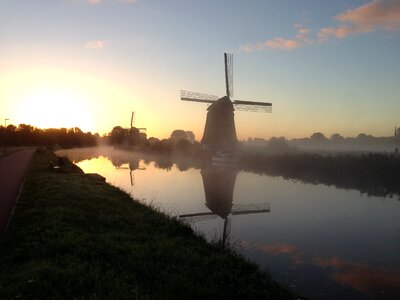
x,y
88,64
198,139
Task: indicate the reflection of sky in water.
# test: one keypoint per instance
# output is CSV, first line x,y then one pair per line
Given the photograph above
x,y
324,242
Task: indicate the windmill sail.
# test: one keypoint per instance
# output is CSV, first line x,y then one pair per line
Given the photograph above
x,y
228,58
198,97
252,106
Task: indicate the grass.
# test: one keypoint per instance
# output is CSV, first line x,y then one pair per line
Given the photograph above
x,y
75,237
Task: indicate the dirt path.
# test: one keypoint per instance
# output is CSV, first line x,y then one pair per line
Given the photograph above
x,y
12,172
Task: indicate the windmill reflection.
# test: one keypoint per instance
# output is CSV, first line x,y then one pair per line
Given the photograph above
x,y
133,164
219,184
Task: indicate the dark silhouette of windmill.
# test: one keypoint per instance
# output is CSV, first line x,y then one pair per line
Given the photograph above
x,y
219,184
133,165
141,130
220,131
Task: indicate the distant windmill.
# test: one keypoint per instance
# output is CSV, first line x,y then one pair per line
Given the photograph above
x,y
219,131
133,122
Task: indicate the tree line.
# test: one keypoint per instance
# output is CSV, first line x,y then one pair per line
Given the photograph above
x,y
179,141
27,135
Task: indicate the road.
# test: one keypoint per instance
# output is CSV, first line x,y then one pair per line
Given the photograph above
x,y
13,168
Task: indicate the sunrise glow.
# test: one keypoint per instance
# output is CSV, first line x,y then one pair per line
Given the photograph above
x,y
325,72
52,108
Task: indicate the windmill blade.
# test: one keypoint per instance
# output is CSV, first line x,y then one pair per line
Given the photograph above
x,y
252,106
243,209
197,217
198,97
228,58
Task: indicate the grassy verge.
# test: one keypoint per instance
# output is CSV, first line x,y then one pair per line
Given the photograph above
x,y
75,237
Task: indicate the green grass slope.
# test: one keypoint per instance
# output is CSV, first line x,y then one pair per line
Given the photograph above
x,y
75,237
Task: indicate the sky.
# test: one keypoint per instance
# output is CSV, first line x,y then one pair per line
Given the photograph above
x,y
326,66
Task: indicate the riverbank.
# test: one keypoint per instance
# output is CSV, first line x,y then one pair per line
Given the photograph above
x,y
375,174
73,236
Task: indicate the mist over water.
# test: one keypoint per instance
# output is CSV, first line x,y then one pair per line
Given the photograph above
x,y
318,240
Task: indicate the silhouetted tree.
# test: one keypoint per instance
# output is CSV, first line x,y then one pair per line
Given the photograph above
x,y
27,135
117,135
336,138
178,135
318,137
190,136
279,145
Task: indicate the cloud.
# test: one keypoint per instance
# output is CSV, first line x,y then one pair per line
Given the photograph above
x,y
300,39
372,16
292,252
295,254
96,45
360,276
378,14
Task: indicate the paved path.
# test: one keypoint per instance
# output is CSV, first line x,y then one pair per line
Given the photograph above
x,y
12,172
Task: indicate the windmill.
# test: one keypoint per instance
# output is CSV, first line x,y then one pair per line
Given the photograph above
x,y
133,165
219,131
136,135
219,183
141,130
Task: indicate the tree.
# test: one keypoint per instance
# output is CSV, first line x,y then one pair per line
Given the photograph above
x,y
117,135
279,145
336,138
318,137
190,136
365,138
177,135
132,136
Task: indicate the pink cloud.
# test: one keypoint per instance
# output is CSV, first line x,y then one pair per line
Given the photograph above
x,y
300,39
96,45
378,14
361,276
296,255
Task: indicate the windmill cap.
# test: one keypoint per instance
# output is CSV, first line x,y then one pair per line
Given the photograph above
x,y
221,104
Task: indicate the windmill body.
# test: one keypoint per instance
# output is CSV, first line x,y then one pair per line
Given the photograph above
x,y
220,130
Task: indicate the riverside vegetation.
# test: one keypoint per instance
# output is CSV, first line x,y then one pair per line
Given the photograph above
x,y
375,174
74,236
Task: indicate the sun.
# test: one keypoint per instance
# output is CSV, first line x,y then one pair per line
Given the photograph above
x,y
54,108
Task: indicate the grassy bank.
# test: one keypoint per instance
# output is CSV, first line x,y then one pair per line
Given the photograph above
x,y
73,236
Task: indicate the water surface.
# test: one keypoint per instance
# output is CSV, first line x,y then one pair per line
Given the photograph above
x,y
320,241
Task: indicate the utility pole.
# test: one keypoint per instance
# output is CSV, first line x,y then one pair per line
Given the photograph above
x,y
5,133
